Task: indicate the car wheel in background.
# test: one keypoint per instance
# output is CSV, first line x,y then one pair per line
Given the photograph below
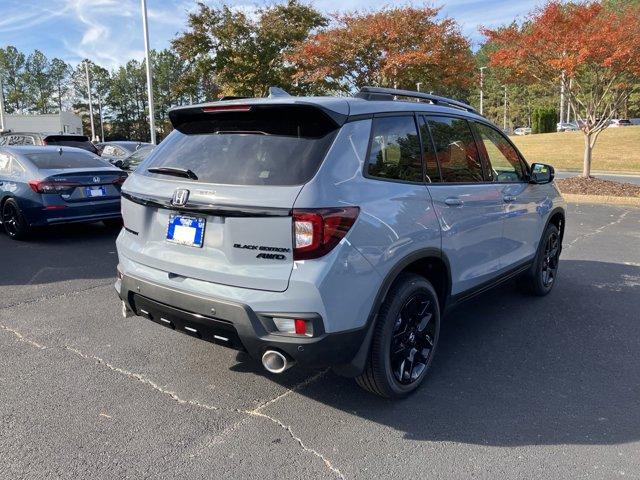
x,y
404,340
13,221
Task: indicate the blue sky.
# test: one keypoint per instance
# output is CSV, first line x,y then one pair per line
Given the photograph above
x,y
110,31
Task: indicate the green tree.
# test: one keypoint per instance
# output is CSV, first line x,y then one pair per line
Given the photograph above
x,y
60,72
127,102
12,63
39,82
168,69
238,55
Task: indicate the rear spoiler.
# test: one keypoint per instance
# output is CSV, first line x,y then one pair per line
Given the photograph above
x,y
180,117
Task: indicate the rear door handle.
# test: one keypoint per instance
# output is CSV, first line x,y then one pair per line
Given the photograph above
x,y
509,198
453,202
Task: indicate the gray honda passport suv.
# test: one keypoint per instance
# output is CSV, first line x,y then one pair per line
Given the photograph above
x,y
332,232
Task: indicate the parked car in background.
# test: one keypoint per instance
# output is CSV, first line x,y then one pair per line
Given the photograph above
x,y
332,231
620,122
635,121
567,127
522,131
131,162
118,150
10,139
48,185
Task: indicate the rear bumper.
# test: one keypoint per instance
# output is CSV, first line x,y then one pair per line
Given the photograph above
x,y
41,216
234,325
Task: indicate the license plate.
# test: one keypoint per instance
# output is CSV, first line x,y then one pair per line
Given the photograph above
x,y
186,230
95,191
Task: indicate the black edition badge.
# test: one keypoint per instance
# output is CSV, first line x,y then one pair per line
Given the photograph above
x,y
264,248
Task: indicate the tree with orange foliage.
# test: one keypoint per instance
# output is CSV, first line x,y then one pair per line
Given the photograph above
x,y
593,51
391,47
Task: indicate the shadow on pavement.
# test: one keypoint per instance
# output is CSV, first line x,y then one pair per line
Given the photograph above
x,y
519,370
59,253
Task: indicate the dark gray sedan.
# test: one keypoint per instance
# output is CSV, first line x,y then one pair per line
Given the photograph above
x,y
50,185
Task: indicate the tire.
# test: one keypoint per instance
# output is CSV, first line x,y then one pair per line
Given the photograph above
x,y
408,321
13,221
113,223
543,274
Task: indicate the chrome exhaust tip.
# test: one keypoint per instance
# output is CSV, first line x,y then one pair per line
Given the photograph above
x,y
275,362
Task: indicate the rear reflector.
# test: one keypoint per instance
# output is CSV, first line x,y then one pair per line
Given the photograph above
x,y
317,231
296,326
301,326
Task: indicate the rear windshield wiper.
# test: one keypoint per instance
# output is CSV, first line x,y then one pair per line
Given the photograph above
x,y
176,172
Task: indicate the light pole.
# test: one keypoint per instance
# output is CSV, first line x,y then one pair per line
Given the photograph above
x,y
481,91
101,119
504,127
418,86
1,105
152,120
93,130
562,98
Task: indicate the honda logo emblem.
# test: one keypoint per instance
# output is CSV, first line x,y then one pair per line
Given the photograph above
x,y
96,179
180,197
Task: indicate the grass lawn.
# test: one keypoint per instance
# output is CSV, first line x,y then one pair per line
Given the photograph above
x,y
616,149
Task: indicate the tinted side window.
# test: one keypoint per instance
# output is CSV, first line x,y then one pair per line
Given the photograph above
x,y
504,159
428,153
456,150
395,149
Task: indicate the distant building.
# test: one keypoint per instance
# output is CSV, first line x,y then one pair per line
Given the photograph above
x,y
63,122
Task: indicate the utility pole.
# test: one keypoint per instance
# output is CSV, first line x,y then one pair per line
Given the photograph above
x,y
145,27
93,130
504,122
562,98
481,91
1,105
101,120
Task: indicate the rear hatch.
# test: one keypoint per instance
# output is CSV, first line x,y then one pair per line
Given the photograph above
x,y
214,200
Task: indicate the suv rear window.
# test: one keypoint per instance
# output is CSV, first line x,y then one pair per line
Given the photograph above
x,y
53,160
79,141
264,146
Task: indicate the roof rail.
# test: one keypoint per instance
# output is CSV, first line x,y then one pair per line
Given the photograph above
x,y
381,93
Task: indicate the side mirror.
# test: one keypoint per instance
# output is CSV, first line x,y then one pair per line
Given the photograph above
x,y
119,163
542,173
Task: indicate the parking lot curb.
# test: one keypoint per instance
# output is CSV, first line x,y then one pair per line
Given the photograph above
x,y
602,199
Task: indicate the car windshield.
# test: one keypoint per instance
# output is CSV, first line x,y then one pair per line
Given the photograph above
x,y
65,160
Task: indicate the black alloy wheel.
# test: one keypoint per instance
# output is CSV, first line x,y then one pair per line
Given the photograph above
x,y
543,274
550,259
413,339
405,337
12,220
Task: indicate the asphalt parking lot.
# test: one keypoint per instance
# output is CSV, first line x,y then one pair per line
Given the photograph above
x,y
521,387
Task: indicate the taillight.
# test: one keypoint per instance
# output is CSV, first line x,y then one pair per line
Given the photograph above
x,y
43,186
317,231
120,180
